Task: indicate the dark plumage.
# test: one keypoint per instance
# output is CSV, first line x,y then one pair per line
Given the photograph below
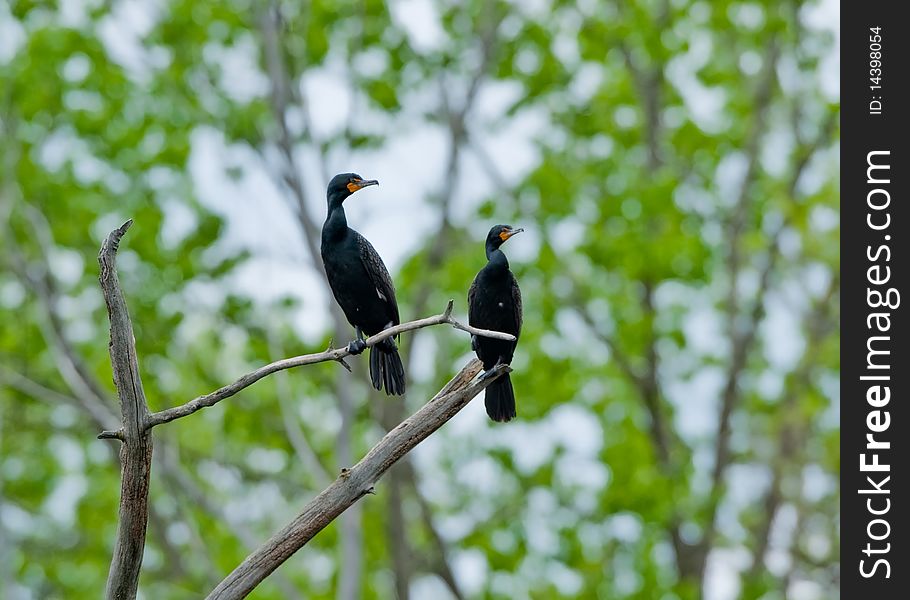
x,y
361,285
494,302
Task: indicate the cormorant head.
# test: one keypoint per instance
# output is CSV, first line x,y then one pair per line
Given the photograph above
x,y
499,234
345,184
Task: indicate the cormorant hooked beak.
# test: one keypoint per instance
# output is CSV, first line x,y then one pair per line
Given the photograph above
x,y
360,184
507,233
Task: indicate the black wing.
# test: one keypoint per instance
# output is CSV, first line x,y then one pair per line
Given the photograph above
x,y
516,302
379,275
472,314
472,292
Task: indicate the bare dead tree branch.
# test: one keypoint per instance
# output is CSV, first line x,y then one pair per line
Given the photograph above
x,y
356,482
87,393
351,546
137,422
283,96
167,468
337,354
136,450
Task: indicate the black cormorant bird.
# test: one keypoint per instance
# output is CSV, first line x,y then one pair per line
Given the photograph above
x,y
494,302
361,285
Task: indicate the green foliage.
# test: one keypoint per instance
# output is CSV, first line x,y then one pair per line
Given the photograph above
x,y
650,221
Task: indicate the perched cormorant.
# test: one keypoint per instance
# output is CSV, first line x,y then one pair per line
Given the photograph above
x,y
361,285
494,302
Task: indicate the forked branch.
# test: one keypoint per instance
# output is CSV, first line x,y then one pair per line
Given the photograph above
x,y
136,437
136,450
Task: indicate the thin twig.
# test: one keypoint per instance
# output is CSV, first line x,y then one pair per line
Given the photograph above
x,y
170,414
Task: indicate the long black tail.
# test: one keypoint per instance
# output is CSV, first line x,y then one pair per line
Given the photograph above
x,y
500,400
386,369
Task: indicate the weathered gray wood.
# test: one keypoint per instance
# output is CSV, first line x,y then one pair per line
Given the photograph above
x,y
136,441
356,482
136,447
337,354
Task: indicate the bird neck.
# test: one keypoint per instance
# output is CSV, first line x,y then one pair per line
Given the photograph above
x,y
335,222
497,259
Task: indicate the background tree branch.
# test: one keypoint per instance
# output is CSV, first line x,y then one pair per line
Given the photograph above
x,y
403,476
